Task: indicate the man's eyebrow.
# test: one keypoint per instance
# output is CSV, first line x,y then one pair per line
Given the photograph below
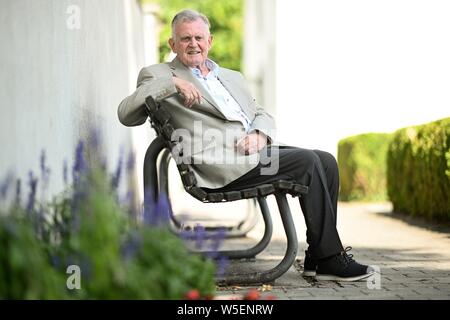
x,y
190,36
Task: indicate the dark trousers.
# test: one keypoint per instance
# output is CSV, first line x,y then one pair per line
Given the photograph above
x,y
316,169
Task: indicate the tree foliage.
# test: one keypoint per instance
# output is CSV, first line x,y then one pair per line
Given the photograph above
x,y
226,27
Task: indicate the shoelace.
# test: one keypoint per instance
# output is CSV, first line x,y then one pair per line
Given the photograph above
x,y
347,258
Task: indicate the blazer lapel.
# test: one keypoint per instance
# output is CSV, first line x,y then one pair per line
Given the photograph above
x,y
183,72
236,93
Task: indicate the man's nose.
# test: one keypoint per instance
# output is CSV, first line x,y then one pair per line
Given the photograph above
x,y
193,42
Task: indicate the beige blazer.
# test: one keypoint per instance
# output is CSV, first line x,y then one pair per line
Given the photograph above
x,y
209,139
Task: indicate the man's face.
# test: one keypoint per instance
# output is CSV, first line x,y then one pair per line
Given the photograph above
x,y
191,42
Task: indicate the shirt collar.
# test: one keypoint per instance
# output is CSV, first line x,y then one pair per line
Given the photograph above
x,y
211,65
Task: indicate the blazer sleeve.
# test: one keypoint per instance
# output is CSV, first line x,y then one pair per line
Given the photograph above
x,y
155,81
264,123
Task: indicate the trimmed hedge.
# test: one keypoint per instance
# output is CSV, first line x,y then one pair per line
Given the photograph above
x,y
418,173
362,166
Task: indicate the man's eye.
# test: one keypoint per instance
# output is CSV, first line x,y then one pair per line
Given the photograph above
x,y
198,38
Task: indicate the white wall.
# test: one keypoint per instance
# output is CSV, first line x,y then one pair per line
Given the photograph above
x,y
353,66
259,63
56,81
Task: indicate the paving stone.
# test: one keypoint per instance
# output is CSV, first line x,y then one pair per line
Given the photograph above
x,y
414,262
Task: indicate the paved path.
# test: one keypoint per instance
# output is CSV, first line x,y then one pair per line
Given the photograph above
x,y
413,257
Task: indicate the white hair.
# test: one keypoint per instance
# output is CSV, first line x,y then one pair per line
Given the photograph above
x,y
188,15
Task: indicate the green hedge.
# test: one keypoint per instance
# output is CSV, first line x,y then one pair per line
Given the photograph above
x,y
418,173
362,166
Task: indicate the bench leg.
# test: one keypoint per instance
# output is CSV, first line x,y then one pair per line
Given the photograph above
x,y
150,169
287,261
260,246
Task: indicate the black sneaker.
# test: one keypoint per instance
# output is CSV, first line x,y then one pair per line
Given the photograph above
x,y
309,266
342,267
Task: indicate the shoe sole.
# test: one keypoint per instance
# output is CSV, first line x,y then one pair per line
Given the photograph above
x,y
309,273
331,277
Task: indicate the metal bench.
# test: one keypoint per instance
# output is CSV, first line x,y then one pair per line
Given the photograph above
x,y
155,181
239,229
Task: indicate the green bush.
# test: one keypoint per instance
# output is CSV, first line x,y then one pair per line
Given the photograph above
x,y
86,226
362,167
25,270
418,173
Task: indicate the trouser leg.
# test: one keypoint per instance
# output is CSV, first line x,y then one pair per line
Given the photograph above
x,y
319,206
330,167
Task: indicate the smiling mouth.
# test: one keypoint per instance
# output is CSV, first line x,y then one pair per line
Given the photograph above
x,y
193,53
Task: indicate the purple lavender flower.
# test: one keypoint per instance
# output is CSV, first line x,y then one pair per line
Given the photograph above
x,y
221,266
80,192
149,207
79,166
4,186
129,202
217,239
158,213
200,236
65,169
18,197
116,177
32,183
95,138
214,253
45,178
185,235
131,162
77,197
163,209
45,171
131,246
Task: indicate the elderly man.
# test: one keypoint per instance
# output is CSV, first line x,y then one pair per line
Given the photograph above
x,y
204,98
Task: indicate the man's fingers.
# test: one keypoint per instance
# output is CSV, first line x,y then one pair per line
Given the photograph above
x,y
192,96
188,91
251,147
241,146
242,143
250,144
251,151
191,99
198,96
247,146
240,140
186,99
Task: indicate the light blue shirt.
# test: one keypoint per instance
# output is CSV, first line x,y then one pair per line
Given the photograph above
x,y
226,103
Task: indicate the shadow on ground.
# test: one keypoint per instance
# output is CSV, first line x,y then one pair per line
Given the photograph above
x,y
417,221
404,275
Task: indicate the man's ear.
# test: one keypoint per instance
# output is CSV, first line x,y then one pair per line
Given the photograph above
x,y
172,44
210,40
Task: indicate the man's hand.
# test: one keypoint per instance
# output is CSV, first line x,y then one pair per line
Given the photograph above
x,y
188,91
252,143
